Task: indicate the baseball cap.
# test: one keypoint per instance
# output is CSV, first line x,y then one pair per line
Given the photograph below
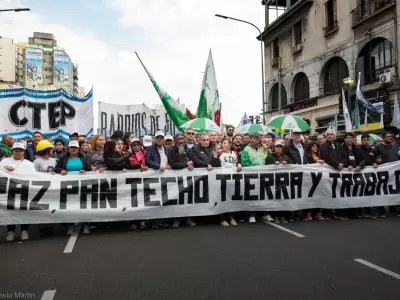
x,y
159,133
169,137
279,143
297,130
18,145
73,144
74,134
147,141
134,140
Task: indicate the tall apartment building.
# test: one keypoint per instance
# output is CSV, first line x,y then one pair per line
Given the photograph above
x,y
314,45
7,60
38,64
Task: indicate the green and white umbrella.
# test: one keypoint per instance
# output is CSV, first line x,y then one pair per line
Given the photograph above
x,y
372,138
288,122
200,125
254,128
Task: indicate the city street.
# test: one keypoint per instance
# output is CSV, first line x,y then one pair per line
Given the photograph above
x,y
355,259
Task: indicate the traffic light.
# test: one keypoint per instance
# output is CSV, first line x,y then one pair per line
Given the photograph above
x,y
258,119
251,118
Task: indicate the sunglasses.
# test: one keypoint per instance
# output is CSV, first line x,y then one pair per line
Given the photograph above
x,y
190,133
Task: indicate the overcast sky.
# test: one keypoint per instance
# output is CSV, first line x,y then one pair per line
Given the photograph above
x,y
172,37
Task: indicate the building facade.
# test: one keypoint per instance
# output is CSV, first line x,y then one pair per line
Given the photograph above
x,y
7,60
314,44
38,64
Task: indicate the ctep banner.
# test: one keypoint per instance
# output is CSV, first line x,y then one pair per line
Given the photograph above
x,y
136,118
28,198
52,112
34,65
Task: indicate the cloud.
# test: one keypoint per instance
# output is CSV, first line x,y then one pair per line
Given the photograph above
x,y
176,37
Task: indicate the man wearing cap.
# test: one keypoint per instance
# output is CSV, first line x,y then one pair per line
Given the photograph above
x,y
17,162
169,140
117,135
296,149
157,154
74,136
6,146
31,149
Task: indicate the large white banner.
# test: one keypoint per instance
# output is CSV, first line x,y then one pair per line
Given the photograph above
x,y
54,113
46,198
136,118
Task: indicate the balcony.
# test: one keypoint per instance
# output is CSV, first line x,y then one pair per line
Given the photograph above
x,y
368,9
299,105
290,15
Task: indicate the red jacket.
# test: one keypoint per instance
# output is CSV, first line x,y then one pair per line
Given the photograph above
x,y
134,161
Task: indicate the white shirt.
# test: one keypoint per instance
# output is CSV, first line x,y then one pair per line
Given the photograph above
x,y
18,165
301,151
163,157
228,160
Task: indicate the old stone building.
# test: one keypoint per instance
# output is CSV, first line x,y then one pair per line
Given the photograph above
x,y
313,45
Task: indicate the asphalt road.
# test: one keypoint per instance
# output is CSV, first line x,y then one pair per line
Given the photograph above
x,y
251,261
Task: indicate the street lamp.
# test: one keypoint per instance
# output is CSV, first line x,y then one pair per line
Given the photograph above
x,y
262,59
349,84
15,9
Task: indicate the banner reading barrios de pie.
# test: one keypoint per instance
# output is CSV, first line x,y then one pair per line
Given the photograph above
x,y
28,198
54,113
136,118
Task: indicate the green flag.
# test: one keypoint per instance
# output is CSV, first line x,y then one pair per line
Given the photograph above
x,y
356,117
178,114
209,105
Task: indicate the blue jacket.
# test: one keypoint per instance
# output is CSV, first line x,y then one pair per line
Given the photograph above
x,y
30,153
153,159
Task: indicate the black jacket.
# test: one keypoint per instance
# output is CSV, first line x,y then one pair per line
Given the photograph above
x,y
273,158
333,154
202,157
178,157
62,162
369,154
118,161
294,154
358,155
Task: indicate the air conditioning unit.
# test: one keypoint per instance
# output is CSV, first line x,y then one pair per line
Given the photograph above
x,y
387,76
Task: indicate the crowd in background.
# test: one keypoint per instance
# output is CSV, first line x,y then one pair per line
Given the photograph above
x,y
123,151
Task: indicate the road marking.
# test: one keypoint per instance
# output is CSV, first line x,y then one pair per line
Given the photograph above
x,y
72,239
378,268
299,235
48,295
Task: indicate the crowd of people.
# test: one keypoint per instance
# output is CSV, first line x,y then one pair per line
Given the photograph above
x,y
123,151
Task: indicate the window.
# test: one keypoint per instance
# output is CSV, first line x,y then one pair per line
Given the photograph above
x,y
297,34
275,49
330,16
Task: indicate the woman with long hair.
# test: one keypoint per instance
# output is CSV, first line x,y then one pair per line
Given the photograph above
x,y
313,158
127,139
228,159
115,158
96,153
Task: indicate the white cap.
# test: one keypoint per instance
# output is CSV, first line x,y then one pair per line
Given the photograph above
x,y
159,133
147,141
297,130
18,145
73,144
279,143
169,137
134,140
